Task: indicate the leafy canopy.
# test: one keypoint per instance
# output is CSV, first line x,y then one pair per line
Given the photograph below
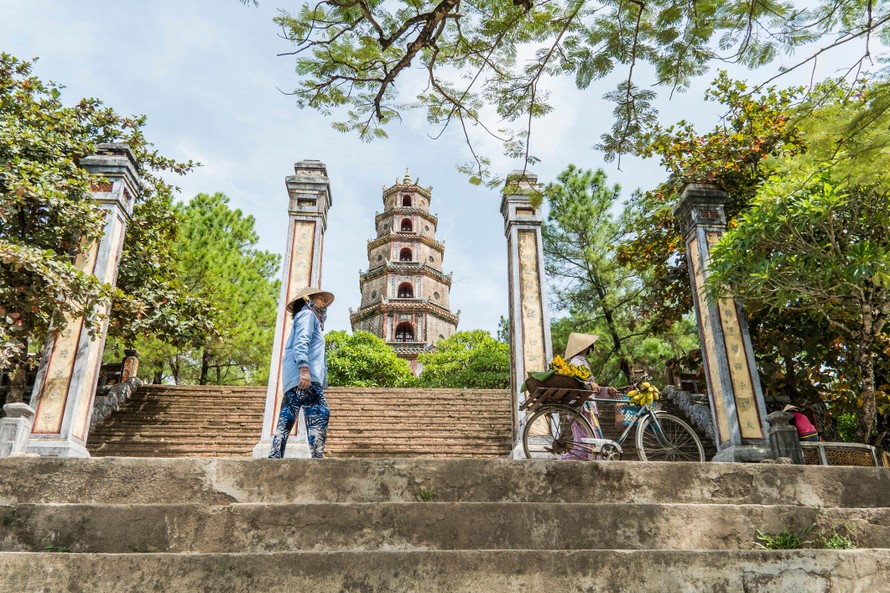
x,y
48,217
737,155
364,360
467,359
354,56
821,250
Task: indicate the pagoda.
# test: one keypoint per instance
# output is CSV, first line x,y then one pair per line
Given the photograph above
x,y
405,294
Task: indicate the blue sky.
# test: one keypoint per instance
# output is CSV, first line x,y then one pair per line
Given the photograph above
x,y
206,75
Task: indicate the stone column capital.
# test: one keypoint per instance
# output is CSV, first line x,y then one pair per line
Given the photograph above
x,y
701,204
119,185
516,204
309,191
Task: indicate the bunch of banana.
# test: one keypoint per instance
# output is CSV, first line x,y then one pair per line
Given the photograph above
x,y
646,395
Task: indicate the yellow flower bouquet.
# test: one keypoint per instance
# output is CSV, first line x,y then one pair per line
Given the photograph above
x,y
563,368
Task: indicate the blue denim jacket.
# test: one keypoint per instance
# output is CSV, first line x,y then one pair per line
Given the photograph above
x,y
304,348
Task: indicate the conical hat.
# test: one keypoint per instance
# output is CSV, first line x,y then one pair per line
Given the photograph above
x,y
579,343
311,291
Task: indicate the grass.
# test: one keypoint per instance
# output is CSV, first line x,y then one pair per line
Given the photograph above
x,y
425,494
784,540
837,537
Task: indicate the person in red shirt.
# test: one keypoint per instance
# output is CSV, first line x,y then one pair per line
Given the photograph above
x,y
805,429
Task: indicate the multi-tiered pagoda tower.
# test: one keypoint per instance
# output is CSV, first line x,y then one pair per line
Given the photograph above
x,y
405,294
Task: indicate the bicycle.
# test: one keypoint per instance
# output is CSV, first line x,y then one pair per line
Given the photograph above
x,y
557,429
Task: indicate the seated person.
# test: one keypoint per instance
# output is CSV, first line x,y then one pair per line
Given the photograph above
x,y
577,349
805,429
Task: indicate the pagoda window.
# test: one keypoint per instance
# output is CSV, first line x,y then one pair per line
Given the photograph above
x,y
407,227
406,201
406,291
406,255
404,332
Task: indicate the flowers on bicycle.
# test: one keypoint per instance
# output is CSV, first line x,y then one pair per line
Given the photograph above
x,y
646,395
560,365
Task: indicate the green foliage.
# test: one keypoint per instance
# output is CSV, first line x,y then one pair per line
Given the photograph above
x,y
801,352
470,359
812,247
837,541
350,54
835,537
153,303
785,540
503,334
218,264
846,426
48,215
425,494
364,360
586,278
740,152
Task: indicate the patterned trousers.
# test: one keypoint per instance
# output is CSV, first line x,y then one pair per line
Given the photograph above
x,y
316,412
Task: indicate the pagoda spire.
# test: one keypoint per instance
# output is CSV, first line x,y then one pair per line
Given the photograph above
x,y
405,292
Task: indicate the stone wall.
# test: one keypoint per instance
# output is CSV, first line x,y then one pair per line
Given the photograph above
x,y
373,290
438,328
112,400
698,415
373,325
436,292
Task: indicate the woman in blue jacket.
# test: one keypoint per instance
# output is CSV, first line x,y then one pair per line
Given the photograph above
x,y
304,373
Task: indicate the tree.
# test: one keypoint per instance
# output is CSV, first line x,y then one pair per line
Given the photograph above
x,y
821,250
48,215
601,296
471,359
364,360
351,54
737,155
217,262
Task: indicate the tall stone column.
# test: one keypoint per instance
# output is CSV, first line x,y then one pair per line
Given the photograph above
x,y
66,382
530,347
736,398
309,195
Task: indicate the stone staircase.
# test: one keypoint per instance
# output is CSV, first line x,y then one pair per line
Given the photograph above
x,y
120,525
226,421
222,421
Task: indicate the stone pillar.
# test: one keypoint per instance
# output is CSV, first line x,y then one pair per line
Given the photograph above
x,y
530,347
15,429
783,438
733,384
130,365
310,198
66,382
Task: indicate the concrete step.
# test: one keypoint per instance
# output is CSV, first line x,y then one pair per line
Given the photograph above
x,y
459,571
189,528
292,481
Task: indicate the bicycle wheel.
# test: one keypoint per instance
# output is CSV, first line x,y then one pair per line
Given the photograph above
x,y
676,441
555,432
